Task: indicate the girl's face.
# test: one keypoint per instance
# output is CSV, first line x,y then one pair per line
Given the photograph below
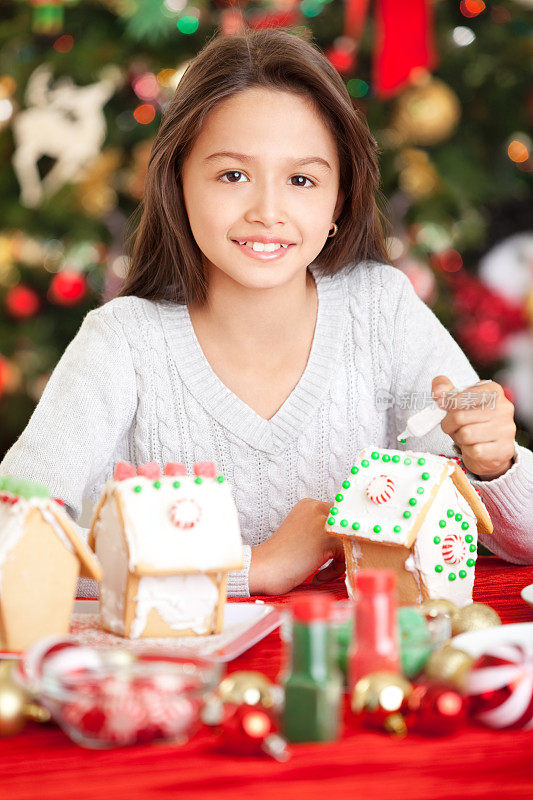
x,y
263,169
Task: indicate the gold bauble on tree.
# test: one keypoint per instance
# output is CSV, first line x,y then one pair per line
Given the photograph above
x,y
426,113
475,617
449,664
417,177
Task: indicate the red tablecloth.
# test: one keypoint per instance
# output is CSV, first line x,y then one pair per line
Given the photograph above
x,y
42,764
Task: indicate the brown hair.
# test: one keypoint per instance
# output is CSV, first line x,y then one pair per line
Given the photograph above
x,y
166,262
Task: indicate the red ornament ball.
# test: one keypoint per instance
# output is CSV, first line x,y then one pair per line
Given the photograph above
x,y
500,686
67,288
342,60
436,708
251,730
22,302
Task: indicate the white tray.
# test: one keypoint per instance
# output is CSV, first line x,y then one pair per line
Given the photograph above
x,y
245,624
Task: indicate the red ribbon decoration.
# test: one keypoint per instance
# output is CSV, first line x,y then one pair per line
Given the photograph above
x,y
403,40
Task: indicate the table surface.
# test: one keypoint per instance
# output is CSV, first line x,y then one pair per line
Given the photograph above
x,y
41,763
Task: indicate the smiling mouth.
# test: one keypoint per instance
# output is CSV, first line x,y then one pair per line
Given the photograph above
x,y
262,247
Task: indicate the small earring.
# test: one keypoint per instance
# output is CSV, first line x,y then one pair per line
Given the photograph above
x,y
334,231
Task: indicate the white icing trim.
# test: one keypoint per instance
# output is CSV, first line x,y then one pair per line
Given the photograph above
x,y
356,506
183,601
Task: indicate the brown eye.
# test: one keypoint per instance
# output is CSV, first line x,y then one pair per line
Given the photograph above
x,y
234,173
301,183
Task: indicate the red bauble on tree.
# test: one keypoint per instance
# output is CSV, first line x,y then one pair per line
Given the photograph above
x,y
342,55
67,288
22,302
485,318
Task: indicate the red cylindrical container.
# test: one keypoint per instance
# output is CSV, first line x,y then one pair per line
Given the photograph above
x,y
375,643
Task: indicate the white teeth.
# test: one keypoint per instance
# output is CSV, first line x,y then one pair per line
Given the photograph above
x,y
260,247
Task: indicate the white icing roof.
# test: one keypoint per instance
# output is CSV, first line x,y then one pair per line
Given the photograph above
x,y
401,481
177,523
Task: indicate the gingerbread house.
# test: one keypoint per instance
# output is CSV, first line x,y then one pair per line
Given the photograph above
x,y
166,543
415,513
41,557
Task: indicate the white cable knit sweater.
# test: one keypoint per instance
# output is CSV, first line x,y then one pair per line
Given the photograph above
x,y
135,385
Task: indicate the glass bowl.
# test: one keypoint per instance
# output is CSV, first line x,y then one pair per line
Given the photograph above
x,y
105,698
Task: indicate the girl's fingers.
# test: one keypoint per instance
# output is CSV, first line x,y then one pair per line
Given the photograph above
x,y
456,420
478,433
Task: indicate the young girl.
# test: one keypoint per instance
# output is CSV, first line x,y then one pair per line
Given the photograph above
x,y
260,326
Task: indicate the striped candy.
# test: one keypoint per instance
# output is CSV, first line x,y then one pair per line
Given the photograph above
x,y
185,513
500,686
380,489
453,549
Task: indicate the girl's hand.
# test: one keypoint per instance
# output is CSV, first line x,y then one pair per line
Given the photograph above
x,y
480,421
297,549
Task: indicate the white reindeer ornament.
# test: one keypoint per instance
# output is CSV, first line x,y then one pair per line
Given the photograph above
x,y
64,122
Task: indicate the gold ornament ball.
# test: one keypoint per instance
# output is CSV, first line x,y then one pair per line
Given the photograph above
x,y
426,113
249,687
449,664
475,617
380,698
438,606
12,702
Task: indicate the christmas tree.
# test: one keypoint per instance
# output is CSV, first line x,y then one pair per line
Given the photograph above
x,y
447,91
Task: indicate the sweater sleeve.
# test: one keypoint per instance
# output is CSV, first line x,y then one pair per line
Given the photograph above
x,y
87,406
238,581
423,350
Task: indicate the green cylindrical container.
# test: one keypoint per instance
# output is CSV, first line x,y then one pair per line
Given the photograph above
x,y
313,686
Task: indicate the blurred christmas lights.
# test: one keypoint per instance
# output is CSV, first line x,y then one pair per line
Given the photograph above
x,y
144,114
472,8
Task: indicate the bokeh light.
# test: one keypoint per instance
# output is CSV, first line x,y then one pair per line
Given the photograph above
x,y
357,88
518,151
463,36
64,44
6,109
146,87
188,24
471,8
144,114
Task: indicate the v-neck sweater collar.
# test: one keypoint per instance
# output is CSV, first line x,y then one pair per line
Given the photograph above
x,y
274,434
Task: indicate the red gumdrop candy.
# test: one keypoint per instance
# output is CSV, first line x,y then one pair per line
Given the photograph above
x,y
205,469
150,470
124,470
173,469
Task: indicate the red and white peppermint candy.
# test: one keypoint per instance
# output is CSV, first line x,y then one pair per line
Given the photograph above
x,y
185,513
500,686
453,549
380,489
